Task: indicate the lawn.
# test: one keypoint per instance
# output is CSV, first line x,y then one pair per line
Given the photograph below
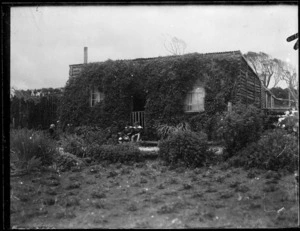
x,y
152,195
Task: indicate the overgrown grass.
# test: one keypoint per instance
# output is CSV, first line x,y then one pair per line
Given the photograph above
x,y
84,137
29,146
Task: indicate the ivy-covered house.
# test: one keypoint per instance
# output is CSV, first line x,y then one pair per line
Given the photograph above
x,y
162,90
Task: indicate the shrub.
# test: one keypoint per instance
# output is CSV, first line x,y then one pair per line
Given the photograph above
x,y
126,152
240,127
290,122
31,146
274,151
93,134
184,146
83,137
208,123
65,161
165,130
74,144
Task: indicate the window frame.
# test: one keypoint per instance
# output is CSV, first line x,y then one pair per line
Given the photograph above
x,y
96,97
193,107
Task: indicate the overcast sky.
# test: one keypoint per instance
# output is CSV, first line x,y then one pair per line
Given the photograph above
x,y
46,40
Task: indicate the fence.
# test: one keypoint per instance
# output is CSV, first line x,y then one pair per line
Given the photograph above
x,y
34,114
138,116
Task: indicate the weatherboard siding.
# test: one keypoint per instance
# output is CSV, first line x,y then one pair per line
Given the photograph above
x,y
249,86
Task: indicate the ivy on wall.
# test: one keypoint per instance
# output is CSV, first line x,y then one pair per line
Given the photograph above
x,y
164,83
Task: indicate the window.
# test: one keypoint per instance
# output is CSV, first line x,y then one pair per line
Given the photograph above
x,y
96,97
195,100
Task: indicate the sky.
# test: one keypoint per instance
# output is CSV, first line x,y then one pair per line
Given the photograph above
x,y
46,40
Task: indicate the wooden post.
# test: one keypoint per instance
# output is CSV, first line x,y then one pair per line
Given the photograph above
x,y
247,87
289,99
272,101
144,120
19,112
254,91
229,106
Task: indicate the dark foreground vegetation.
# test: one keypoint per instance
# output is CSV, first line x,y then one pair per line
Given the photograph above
x,y
82,178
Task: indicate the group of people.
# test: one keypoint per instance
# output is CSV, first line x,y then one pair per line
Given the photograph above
x,y
130,133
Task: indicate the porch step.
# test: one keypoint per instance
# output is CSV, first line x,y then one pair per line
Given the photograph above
x,y
149,152
149,149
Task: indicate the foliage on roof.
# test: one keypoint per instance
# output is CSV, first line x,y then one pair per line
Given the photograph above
x,y
162,81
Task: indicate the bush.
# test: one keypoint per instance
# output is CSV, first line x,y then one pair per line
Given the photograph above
x,y
66,161
290,122
119,153
74,144
165,130
92,134
274,151
85,136
208,123
241,126
187,147
29,145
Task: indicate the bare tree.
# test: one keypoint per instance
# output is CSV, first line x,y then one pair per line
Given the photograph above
x,y
265,67
289,75
175,46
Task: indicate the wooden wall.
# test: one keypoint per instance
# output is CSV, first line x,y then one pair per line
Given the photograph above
x,y
75,70
249,86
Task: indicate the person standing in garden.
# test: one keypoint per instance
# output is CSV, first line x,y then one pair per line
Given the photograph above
x,y
52,131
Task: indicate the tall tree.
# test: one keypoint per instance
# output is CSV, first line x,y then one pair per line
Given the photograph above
x,y
265,67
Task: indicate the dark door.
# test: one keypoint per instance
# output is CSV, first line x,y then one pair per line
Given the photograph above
x,y
138,103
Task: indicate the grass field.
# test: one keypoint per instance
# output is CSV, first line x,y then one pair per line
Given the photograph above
x,y
151,195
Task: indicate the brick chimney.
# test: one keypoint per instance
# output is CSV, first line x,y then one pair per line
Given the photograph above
x,y
85,55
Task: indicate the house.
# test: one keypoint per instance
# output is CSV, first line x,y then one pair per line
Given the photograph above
x,y
160,90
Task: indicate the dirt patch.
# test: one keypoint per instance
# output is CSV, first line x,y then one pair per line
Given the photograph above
x,y
150,195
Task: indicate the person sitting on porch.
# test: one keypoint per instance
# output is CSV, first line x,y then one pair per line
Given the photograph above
x,y
137,129
128,130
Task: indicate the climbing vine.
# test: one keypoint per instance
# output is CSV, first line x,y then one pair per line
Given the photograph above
x,y
164,83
